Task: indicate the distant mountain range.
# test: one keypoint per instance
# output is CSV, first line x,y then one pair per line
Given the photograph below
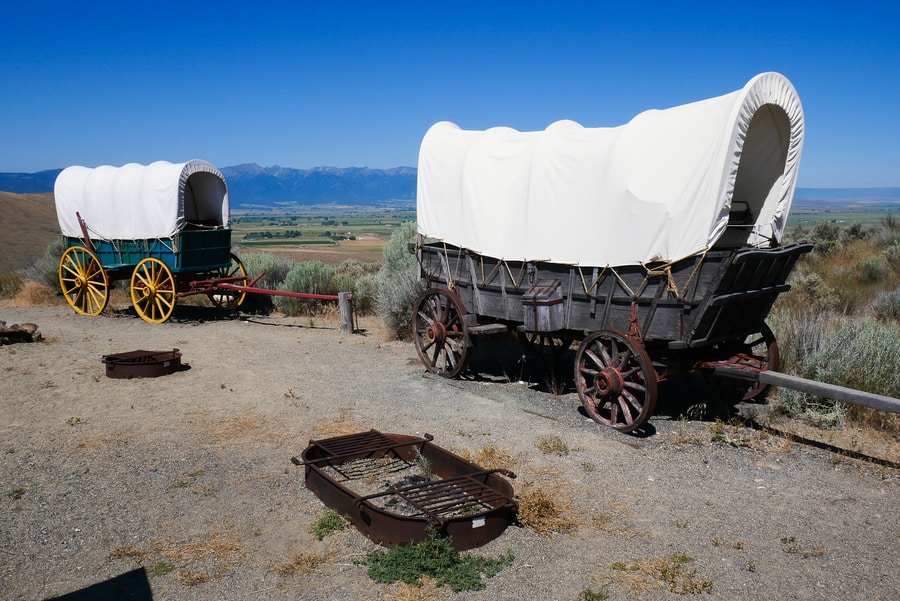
x,y
250,185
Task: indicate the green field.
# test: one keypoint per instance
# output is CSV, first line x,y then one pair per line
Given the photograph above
x,y
293,229
807,214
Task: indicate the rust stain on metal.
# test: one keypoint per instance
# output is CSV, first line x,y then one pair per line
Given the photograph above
x,y
392,487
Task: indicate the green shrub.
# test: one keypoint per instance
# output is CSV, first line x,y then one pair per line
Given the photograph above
x,y
364,294
858,353
825,237
887,305
398,282
310,277
871,270
274,270
10,283
809,290
328,523
892,256
48,265
853,232
437,559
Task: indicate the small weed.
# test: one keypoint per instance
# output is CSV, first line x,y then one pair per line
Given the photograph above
x,y
16,494
671,571
791,546
160,568
74,421
196,474
329,523
47,384
751,565
589,594
588,466
553,444
681,523
10,451
423,464
433,558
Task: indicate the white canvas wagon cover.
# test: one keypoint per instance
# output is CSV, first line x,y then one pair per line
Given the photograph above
x,y
659,188
135,202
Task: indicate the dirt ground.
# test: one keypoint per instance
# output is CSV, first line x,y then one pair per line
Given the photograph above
x,y
189,475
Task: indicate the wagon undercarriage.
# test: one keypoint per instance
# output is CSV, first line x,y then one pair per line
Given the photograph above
x,y
634,325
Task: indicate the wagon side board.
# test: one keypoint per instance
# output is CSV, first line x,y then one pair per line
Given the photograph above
x,y
698,301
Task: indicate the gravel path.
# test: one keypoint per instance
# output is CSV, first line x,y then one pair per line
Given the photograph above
x,y
191,472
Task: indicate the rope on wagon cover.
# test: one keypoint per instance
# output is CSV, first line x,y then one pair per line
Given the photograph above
x,y
666,270
612,270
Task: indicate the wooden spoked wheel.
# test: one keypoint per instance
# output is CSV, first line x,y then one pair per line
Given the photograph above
x,y
544,345
439,332
615,379
153,290
230,299
762,351
83,281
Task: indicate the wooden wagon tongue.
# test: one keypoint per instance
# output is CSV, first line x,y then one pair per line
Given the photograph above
x,y
142,364
457,498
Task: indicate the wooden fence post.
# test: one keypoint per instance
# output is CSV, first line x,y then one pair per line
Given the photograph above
x,y
345,305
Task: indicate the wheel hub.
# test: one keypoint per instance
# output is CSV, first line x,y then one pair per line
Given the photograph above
x,y
609,381
436,333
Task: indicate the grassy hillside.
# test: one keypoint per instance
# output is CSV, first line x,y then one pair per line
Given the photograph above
x,y
27,225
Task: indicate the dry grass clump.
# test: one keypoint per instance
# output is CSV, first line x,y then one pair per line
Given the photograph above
x,y
410,592
34,294
545,510
553,445
303,562
489,457
190,577
218,545
671,571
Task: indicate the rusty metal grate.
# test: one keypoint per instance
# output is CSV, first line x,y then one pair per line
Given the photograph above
x,y
470,504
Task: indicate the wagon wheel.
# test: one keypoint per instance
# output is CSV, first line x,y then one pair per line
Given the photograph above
x,y
153,290
544,344
762,349
83,281
230,299
440,336
615,379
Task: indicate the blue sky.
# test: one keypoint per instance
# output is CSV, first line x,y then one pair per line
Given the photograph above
x,y
304,84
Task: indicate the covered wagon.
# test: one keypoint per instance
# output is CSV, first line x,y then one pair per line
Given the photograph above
x,y
164,227
656,244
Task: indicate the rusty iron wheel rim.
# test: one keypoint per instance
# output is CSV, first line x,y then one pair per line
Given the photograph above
x,y
440,333
615,379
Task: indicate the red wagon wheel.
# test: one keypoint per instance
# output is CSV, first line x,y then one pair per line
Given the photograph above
x,y
440,335
615,379
762,351
230,299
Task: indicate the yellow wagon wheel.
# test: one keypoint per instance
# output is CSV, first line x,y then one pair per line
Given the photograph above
x,y
153,290
230,299
83,281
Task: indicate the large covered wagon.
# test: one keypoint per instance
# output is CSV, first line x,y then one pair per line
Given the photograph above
x,y
656,244
164,227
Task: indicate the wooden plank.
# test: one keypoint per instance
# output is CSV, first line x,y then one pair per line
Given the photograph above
x,y
831,391
488,328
